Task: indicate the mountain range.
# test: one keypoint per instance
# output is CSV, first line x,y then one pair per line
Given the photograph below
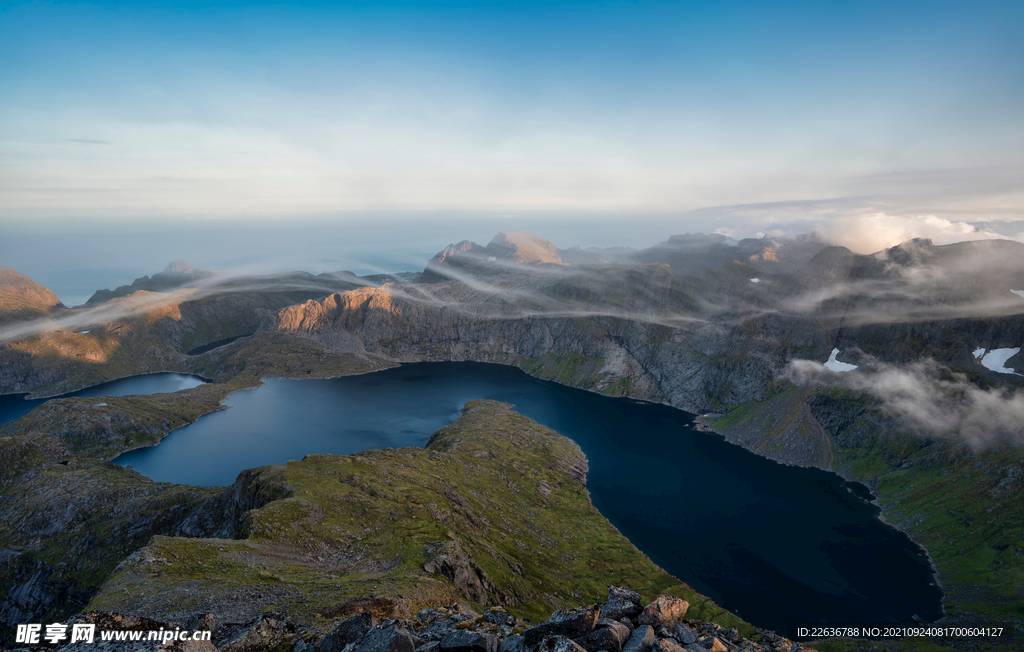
x,y
901,369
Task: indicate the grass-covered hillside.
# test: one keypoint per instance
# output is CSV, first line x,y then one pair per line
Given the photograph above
x,y
494,511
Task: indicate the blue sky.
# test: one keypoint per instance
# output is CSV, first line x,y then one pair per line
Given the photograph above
x,y
742,117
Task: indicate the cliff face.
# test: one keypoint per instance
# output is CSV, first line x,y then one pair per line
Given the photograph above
x,y
698,342
632,329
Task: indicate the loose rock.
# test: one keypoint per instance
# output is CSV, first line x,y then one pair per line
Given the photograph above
x,y
350,630
622,603
684,634
572,625
513,643
641,640
666,611
560,644
460,640
667,645
386,639
609,636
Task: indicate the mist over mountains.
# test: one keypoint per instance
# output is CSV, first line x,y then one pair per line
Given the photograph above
x,y
699,321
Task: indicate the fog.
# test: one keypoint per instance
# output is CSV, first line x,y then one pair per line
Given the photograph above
x,y
929,399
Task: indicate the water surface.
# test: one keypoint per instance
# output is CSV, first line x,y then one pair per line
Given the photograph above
x,y
775,544
14,406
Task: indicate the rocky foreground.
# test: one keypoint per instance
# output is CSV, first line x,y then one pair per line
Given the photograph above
x,y
621,624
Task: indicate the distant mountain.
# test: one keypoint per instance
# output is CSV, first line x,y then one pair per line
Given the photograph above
x,y
523,248
694,253
506,248
176,275
180,266
599,254
22,298
684,254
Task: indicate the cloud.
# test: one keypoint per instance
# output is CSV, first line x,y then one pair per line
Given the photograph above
x,y
930,399
867,224
877,231
87,141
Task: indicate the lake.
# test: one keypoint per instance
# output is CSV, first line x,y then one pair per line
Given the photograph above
x,y
14,406
775,544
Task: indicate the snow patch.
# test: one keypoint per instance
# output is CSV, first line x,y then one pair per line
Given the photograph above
x,y
995,360
82,332
755,280
1019,293
99,405
837,366
978,353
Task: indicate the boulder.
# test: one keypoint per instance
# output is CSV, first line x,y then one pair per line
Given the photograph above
x,y
622,603
570,625
436,630
191,646
513,643
350,630
685,634
498,616
668,645
560,644
266,633
462,640
713,644
666,611
730,636
392,638
610,636
428,616
641,640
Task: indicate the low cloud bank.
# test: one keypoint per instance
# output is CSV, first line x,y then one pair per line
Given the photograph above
x,y
877,231
864,229
930,399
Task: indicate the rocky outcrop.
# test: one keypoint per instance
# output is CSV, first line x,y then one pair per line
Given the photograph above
x,y
494,630
453,563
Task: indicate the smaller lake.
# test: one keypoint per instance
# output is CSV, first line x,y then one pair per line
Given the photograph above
x,y
14,406
776,544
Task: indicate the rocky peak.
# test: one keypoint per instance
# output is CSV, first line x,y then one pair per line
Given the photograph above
x,y
465,249
180,266
177,274
21,297
523,248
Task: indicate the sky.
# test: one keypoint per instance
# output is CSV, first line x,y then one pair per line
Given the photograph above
x,y
599,122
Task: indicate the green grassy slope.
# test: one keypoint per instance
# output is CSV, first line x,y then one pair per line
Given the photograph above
x,y
495,492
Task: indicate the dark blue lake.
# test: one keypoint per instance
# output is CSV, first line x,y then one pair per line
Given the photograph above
x,y
775,544
14,406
